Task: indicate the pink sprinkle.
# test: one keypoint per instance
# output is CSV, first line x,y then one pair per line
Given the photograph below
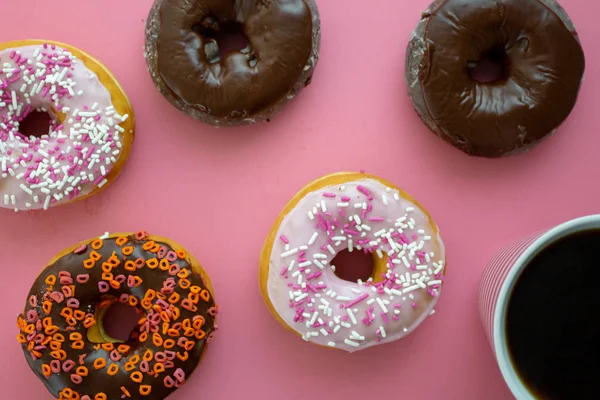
x,y
284,239
179,375
68,365
363,190
395,317
328,194
76,379
103,287
366,322
385,317
73,303
357,300
376,219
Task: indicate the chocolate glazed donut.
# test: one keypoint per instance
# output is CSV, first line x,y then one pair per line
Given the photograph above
x,y
244,86
542,62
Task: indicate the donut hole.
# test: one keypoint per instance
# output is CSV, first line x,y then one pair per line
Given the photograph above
x,y
222,38
352,266
36,124
120,320
492,67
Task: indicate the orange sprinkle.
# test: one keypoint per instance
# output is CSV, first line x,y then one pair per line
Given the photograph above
x,y
79,315
148,355
137,377
161,296
46,370
21,338
165,328
184,283
47,306
198,323
189,332
133,301
115,284
89,263
169,344
164,264
175,313
55,345
194,297
59,354
173,332
164,316
189,345
195,289
94,255
137,281
186,324
82,370
200,335
174,298
205,295
181,254
113,369
99,363
97,244
127,251
123,348
145,390
125,391
71,321
29,328
135,359
143,337
100,396
158,368
46,322
89,322
130,265
184,273
66,312
148,245
150,294
107,276
108,346
154,248
78,345
157,339
51,330
121,240
183,357
128,367
152,263
58,337
50,280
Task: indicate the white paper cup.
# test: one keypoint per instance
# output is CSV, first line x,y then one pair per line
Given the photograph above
x,y
497,284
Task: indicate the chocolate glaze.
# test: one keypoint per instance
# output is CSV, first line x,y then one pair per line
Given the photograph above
x,y
246,85
89,298
544,65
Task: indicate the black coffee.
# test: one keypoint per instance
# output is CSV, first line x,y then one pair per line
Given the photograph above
x,y
553,320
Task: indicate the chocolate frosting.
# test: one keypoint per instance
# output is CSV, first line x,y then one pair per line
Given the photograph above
x,y
543,69
245,82
89,299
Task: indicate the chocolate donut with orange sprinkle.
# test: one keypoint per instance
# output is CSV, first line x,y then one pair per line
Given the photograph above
x,y
61,328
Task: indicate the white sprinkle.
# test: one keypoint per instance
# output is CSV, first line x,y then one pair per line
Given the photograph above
x,y
314,317
382,330
323,206
396,197
305,264
319,255
410,288
26,189
410,209
421,284
337,328
343,298
427,238
331,250
343,204
331,344
384,199
313,238
351,343
351,315
6,199
345,325
289,252
383,307
104,182
432,312
350,248
370,301
311,215
318,264
396,292
47,202
433,283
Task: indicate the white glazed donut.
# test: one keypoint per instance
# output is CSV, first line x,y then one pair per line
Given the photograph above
x,y
358,212
90,134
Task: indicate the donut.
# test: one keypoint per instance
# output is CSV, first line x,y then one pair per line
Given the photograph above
x,y
91,129
361,214
239,87
540,63
62,332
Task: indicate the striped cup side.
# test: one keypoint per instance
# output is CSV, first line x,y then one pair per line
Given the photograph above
x,y
493,279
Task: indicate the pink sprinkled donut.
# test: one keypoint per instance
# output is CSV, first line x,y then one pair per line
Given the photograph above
x,y
91,125
363,214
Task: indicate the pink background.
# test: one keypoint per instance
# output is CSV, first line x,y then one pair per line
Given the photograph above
x,y
218,192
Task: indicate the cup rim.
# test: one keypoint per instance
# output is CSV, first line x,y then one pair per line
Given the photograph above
x,y
509,373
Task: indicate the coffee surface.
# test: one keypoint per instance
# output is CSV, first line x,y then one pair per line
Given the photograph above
x,y
553,320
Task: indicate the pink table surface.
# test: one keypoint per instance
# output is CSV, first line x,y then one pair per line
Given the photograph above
x,y
218,192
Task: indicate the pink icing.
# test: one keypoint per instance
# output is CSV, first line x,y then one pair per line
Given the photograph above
x,y
75,157
329,311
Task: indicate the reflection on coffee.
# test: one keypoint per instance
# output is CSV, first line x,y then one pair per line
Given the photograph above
x,y
553,320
